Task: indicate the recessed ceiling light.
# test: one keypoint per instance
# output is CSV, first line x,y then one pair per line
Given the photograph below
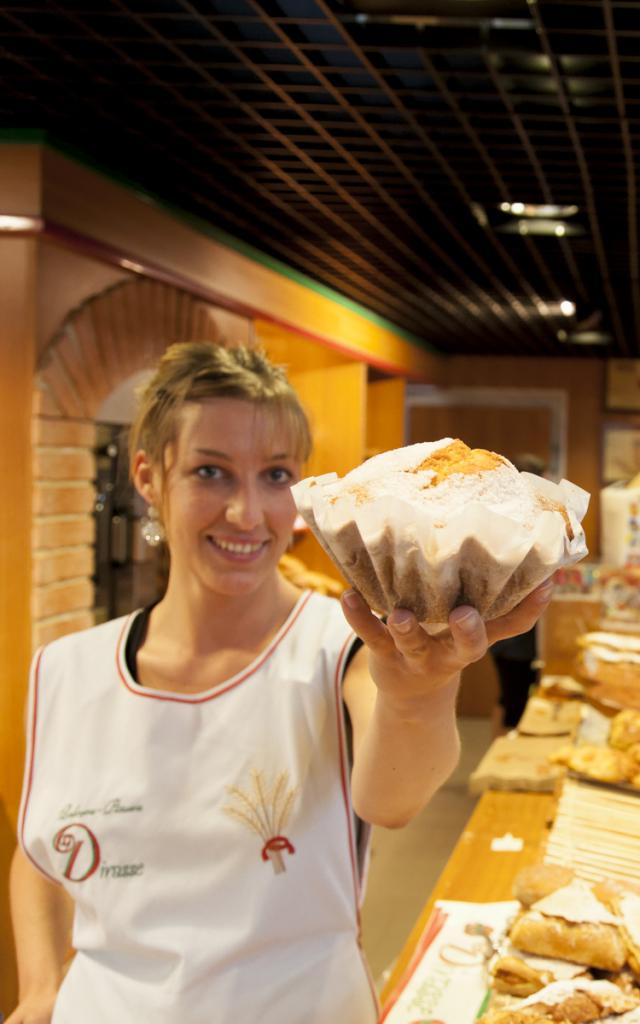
x,y
539,209
539,226
590,337
584,337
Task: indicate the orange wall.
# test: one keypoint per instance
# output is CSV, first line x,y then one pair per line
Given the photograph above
x,y
385,415
335,398
17,355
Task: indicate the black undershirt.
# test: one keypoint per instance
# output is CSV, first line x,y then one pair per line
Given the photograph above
x,y
135,640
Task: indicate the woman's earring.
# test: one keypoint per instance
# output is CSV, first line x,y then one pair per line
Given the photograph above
x,y
151,528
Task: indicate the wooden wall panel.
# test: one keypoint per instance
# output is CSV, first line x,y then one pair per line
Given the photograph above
x,y
583,381
335,399
385,415
17,357
504,430
295,352
20,180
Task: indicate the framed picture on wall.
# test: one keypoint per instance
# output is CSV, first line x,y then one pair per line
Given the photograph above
x,y
622,387
620,451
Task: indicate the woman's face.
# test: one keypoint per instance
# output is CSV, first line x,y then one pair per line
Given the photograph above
x,y
228,511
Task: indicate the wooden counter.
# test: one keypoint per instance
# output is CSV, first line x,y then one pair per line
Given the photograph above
x,y
476,873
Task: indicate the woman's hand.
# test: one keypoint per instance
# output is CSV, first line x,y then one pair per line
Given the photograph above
x,y
406,663
36,1009
402,700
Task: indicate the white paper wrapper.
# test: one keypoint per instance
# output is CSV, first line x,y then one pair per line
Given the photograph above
x,y
405,550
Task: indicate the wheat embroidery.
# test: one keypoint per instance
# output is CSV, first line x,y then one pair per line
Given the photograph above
x,y
265,810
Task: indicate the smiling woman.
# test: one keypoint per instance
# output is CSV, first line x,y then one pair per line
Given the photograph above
x,y
224,491
220,715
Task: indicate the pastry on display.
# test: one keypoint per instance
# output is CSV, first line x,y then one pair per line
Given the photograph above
x,y
627,905
603,764
572,956
513,975
619,689
571,923
623,643
565,687
536,881
624,732
301,576
611,663
579,1001
617,762
438,524
594,944
539,880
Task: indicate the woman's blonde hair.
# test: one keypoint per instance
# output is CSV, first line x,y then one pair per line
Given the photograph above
x,y
195,371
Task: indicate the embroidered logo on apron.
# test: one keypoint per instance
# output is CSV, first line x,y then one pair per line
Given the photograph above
x,y
265,810
81,848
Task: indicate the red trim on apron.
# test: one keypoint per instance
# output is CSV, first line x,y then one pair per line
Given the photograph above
x,y
29,770
141,691
346,795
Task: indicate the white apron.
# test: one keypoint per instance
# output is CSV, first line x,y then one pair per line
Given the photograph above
x,y
206,839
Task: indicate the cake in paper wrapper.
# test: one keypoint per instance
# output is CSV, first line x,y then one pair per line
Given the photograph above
x,y
435,525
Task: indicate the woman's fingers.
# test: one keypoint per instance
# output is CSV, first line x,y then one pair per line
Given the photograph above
x,y
468,639
402,633
364,623
408,635
468,633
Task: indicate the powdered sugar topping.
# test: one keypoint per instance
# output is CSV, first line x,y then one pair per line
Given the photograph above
x,y
501,489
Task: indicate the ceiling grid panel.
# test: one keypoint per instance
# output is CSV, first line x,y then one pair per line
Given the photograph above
x,y
402,274
381,150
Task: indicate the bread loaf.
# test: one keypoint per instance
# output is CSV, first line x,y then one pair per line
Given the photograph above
x,y
590,943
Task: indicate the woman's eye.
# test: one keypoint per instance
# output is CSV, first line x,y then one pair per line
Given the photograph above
x,y
209,472
280,475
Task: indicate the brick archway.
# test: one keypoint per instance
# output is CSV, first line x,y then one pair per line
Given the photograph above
x,y
102,343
